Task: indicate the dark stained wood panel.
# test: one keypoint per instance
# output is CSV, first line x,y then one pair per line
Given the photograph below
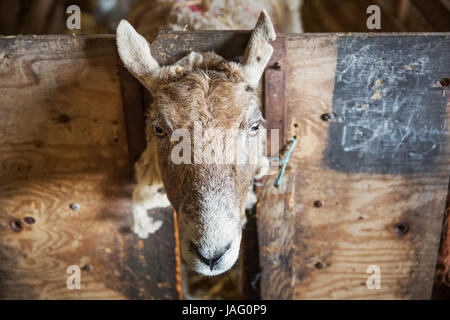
x,y
396,15
275,97
388,105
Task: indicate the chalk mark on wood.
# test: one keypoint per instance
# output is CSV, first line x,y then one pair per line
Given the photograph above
x,y
389,116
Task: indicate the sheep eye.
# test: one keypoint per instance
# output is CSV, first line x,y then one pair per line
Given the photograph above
x,y
158,130
254,128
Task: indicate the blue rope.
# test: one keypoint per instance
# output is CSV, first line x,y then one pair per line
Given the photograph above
x,y
285,161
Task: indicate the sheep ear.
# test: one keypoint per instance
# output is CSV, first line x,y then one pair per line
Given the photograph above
x,y
134,51
258,51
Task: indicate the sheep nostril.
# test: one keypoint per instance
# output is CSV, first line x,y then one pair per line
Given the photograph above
x,y
210,262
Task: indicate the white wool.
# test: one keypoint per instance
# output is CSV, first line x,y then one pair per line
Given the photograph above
x,y
147,194
251,198
262,168
143,224
149,16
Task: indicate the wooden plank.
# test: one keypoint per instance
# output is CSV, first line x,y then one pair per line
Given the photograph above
x,y
250,278
356,211
402,10
328,19
63,142
371,130
276,233
415,21
134,114
441,287
436,13
9,14
351,16
171,46
274,96
36,17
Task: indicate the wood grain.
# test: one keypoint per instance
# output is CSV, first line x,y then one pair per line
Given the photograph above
x,y
62,142
276,233
274,96
441,288
359,222
68,144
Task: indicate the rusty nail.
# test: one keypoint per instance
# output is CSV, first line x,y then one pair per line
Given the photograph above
x,y
277,66
401,228
16,225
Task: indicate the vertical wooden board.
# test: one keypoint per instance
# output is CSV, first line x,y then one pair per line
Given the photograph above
x,y
276,235
275,96
441,287
367,216
63,142
251,273
134,114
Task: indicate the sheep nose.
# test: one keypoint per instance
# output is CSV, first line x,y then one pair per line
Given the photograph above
x,y
210,262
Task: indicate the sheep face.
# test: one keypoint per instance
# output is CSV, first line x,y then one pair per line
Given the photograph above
x,y
211,105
